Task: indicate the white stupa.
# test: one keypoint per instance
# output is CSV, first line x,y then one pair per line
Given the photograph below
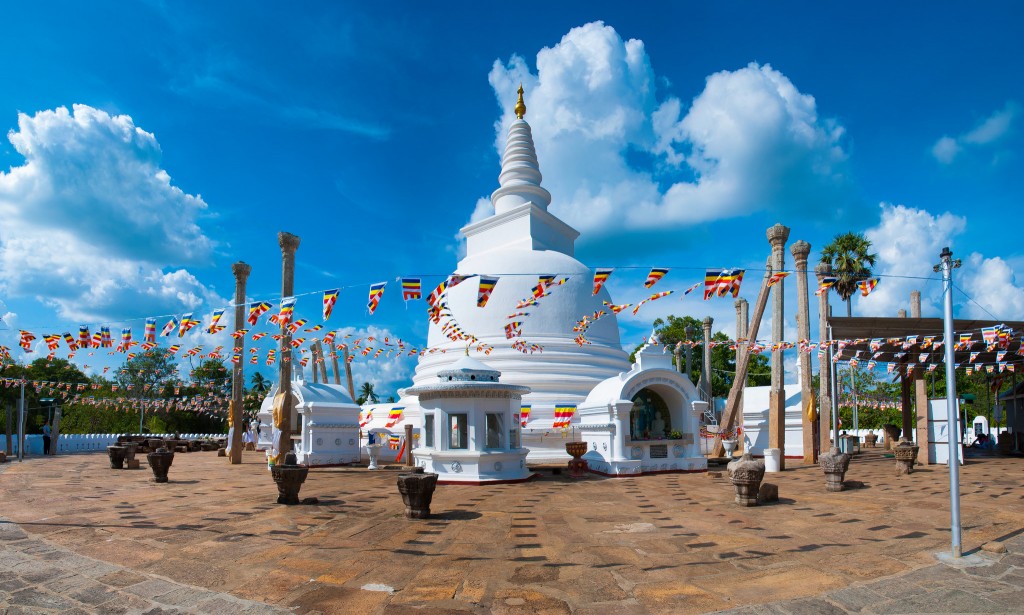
x,y
516,244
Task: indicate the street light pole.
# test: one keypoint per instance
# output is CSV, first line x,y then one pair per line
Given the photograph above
x,y
946,266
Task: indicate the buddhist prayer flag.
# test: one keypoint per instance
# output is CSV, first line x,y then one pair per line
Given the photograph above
x,y
412,288
777,277
563,415
214,328
692,288
149,335
72,344
364,421
524,415
487,285
394,440
866,286
655,275
600,277
186,323
730,282
84,336
827,282
170,327
105,340
990,334
711,277
376,292
52,341
435,295
239,334
394,416
284,316
330,298
256,310
512,329
126,338
295,326
543,281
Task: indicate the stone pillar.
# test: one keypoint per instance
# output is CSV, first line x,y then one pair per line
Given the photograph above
x,y
241,271
777,236
801,250
334,363
289,244
742,327
901,314
313,356
690,331
320,363
920,409
915,304
705,372
348,375
824,366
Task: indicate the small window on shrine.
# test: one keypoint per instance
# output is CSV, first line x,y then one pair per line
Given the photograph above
x,y
458,431
494,431
649,419
428,431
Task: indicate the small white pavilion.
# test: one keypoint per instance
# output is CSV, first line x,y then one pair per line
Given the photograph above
x,y
325,422
471,426
643,421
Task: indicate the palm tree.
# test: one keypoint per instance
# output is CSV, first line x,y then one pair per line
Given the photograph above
x,y
367,394
851,261
259,383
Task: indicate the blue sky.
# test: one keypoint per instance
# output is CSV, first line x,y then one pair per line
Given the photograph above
x,y
150,145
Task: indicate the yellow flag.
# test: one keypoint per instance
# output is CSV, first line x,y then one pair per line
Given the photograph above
x,y
812,411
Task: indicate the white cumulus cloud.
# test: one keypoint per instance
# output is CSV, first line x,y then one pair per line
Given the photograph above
x,y
613,153
988,132
93,225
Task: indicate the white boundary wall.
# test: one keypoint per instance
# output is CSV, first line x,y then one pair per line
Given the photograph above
x,y
87,443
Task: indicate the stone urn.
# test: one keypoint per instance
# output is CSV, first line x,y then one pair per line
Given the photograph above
x,y
746,474
160,462
729,446
417,490
117,456
871,439
834,464
906,454
577,467
289,477
374,451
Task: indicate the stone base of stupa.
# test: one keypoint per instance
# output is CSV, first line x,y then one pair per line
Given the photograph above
x,y
474,468
599,464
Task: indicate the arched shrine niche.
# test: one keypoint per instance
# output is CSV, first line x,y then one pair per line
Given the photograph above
x,y
650,418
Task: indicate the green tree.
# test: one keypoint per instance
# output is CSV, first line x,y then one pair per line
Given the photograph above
x,y
367,394
260,384
723,359
851,260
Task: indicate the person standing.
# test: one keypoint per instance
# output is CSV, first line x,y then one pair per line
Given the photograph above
x,y
46,438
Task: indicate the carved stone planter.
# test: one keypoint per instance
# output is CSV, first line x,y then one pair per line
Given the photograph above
x,y
289,477
374,451
160,462
746,474
577,467
417,490
729,446
871,439
117,455
834,464
906,454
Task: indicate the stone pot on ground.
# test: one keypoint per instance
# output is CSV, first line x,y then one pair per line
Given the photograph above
x,y
892,434
834,464
373,450
417,490
746,474
117,455
160,462
871,439
577,467
906,454
289,477
729,446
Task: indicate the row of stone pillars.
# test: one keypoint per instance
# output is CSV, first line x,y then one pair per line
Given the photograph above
x,y
282,420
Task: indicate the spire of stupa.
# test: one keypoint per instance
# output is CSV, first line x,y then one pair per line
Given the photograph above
x,y
520,172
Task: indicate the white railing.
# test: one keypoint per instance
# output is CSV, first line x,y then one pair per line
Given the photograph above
x,y
87,443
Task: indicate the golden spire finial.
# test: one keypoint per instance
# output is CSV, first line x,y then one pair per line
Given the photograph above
x,y
520,105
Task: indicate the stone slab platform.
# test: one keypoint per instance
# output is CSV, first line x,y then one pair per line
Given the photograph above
x,y
213,540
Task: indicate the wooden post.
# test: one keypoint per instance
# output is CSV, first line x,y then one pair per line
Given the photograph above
x,y
732,406
408,445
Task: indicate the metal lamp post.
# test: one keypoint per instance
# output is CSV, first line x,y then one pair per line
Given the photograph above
x,y
947,266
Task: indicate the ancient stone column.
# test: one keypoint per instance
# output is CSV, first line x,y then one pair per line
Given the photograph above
x,y
801,250
334,362
289,244
705,372
915,304
742,325
777,236
822,271
322,361
241,271
348,375
901,313
314,356
920,407
690,331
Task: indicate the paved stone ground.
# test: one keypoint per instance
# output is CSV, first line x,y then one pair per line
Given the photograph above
x,y
213,537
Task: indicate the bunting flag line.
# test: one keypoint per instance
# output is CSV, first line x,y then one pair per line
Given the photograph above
x,y
600,277
617,308
412,288
364,421
653,297
524,415
512,329
256,310
330,298
777,277
435,295
692,288
563,415
866,286
376,292
394,415
656,274
487,285
826,283
213,328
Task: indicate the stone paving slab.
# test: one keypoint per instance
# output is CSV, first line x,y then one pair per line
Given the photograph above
x,y
213,540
